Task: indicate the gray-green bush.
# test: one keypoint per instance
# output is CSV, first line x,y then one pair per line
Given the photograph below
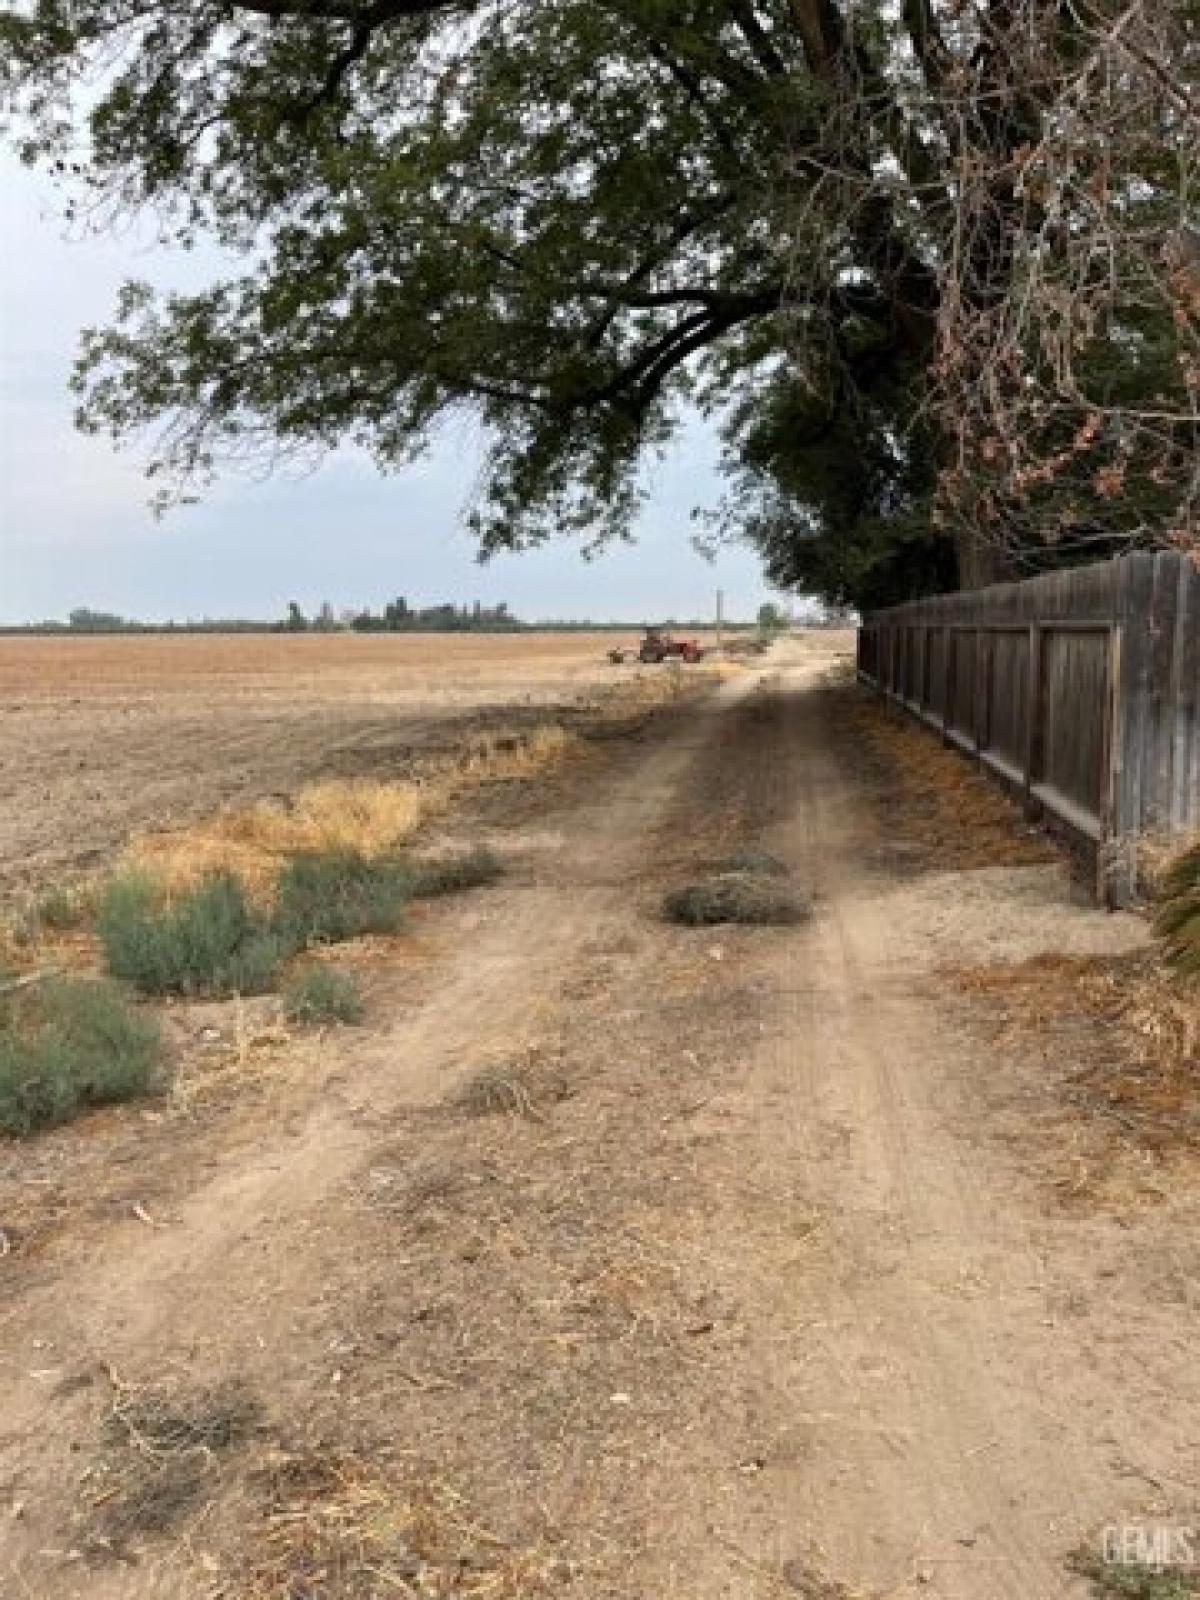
x,y
736,897
324,896
319,993
211,941
448,874
67,1044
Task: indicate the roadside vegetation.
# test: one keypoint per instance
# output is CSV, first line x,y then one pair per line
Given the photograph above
x,y
228,907
329,896
372,817
319,993
214,939
1135,1581
70,1044
210,941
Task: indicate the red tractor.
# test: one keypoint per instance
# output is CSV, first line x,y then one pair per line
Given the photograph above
x,y
660,646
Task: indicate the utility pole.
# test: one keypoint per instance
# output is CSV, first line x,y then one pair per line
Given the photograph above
x,y
720,614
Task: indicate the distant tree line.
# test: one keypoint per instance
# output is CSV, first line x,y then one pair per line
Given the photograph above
x,y
397,616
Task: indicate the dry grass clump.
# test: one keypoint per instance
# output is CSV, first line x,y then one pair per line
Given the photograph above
x,y
339,1524
938,798
519,1089
369,817
163,1448
319,993
753,898
340,815
49,929
433,876
506,753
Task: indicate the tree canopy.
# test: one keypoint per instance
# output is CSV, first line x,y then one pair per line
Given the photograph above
x,y
945,320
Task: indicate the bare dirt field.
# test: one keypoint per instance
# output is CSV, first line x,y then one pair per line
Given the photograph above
x,y
99,736
611,1259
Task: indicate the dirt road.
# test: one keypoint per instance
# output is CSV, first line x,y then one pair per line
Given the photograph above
x,y
752,1287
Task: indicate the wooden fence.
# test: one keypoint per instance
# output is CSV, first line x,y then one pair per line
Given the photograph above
x,y
1080,689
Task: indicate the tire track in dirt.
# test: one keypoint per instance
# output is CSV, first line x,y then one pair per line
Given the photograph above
x,y
931,1428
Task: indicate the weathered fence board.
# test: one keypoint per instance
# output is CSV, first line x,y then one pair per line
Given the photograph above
x,y
1081,689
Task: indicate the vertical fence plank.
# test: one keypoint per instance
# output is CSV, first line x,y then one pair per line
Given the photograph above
x,y
1185,703
1162,692
1113,885
1035,722
1137,593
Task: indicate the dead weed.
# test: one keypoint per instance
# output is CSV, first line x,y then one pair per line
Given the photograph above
x,y
517,1088
162,1444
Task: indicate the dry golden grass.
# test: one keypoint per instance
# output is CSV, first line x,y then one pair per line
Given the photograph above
x,y
366,815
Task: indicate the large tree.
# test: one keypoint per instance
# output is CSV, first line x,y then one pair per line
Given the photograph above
x,y
824,221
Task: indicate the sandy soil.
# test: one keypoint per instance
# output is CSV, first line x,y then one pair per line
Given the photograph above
x,y
756,1290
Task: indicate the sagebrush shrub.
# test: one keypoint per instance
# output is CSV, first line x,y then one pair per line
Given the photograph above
x,y
68,1044
319,993
325,896
210,941
449,874
736,897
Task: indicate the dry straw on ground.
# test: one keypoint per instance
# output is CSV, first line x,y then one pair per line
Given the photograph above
x,y
1145,1082
337,1522
519,1088
937,798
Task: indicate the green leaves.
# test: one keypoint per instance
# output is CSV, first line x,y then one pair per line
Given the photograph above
x,y
572,220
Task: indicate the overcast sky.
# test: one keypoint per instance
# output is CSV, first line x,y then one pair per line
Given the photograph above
x,y
75,529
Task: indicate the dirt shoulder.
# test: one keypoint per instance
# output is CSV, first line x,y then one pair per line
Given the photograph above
x,y
617,1258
